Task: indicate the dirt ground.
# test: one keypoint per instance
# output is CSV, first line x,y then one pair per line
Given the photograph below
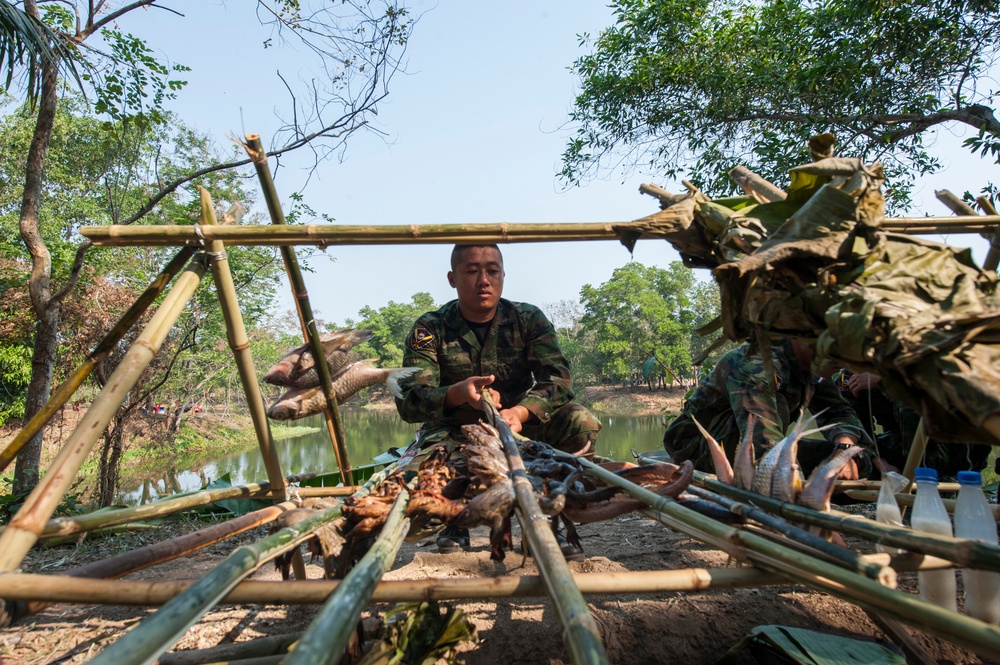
x,y
649,628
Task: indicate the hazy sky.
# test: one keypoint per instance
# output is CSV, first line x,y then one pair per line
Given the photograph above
x,y
475,135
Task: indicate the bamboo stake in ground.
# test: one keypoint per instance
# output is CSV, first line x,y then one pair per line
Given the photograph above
x,y
309,330
100,352
25,527
236,334
580,632
157,632
327,637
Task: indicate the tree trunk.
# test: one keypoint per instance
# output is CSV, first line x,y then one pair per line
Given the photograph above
x,y
46,311
111,455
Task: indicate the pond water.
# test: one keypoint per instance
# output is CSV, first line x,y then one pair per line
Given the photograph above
x,y
368,433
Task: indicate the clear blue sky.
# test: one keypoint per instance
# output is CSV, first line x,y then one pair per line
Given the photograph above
x,y
474,136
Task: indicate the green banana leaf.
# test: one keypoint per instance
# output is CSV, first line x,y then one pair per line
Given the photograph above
x,y
809,647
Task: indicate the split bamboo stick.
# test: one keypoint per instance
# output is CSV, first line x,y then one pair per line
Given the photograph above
x,y
761,552
327,637
965,553
413,234
64,589
580,632
158,631
310,332
916,454
25,528
236,334
167,550
907,500
100,352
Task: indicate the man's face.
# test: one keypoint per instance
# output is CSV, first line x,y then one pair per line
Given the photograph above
x,y
478,278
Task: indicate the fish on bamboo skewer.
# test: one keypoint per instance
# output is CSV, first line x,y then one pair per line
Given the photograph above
x,y
301,402
297,368
326,542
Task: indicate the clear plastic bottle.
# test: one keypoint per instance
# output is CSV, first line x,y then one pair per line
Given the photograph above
x,y
929,514
887,510
974,520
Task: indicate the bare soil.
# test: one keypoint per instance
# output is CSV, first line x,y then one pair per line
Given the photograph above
x,y
651,628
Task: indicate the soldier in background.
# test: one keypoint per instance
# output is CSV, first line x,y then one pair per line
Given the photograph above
x,y
899,425
483,342
741,384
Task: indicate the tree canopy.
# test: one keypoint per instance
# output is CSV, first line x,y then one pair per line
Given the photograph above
x,y
705,85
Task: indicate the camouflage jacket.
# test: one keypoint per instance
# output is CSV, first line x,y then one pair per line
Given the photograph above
x,y
520,350
740,385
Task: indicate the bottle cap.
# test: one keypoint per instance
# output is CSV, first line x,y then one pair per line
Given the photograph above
x,y
925,475
970,478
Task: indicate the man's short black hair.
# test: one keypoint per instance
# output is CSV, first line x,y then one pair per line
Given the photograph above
x,y
457,251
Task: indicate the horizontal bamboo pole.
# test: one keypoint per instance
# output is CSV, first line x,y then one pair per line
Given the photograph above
x,y
154,634
99,353
844,485
64,526
25,528
907,500
907,562
397,234
232,651
63,589
963,552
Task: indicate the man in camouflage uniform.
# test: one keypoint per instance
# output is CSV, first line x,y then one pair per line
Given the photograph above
x,y
483,342
739,385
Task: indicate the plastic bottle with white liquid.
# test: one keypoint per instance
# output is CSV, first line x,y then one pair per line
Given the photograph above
x,y
887,510
974,520
929,514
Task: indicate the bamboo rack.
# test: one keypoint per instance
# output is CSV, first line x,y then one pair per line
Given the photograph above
x,y
421,234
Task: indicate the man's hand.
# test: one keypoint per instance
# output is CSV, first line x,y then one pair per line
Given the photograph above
x,y
470,391
858,383
515,417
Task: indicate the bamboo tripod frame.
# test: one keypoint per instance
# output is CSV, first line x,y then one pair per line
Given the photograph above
x,y
208,239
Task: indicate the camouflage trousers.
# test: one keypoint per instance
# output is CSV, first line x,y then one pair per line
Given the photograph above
x,y
572,429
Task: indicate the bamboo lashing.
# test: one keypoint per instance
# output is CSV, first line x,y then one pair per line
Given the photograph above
x,y
239,343
310,332
25,528
406,234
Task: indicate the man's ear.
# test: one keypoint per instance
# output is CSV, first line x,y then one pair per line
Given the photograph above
x,y
451,279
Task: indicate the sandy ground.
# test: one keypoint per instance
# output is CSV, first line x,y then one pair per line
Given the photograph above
x,y
650,628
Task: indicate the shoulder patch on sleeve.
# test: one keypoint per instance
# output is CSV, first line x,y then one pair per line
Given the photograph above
x,y
421,338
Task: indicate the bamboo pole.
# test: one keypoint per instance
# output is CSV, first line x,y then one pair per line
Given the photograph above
x,y
580,632
327,637
993,254
816,545
752,182
844,485
236,334
64,526
908,562
27,525
761,552
260,647
100,352
158,631
64,589
917,448
965,553
406,234
906,500
310,332
151,555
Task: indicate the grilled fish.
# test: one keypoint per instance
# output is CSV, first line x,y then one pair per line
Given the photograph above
x,y
723,469
818,490
777,473
744,462
297,369
301,402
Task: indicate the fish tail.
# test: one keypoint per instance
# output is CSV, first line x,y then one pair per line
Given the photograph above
x,y
723,469
392,381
